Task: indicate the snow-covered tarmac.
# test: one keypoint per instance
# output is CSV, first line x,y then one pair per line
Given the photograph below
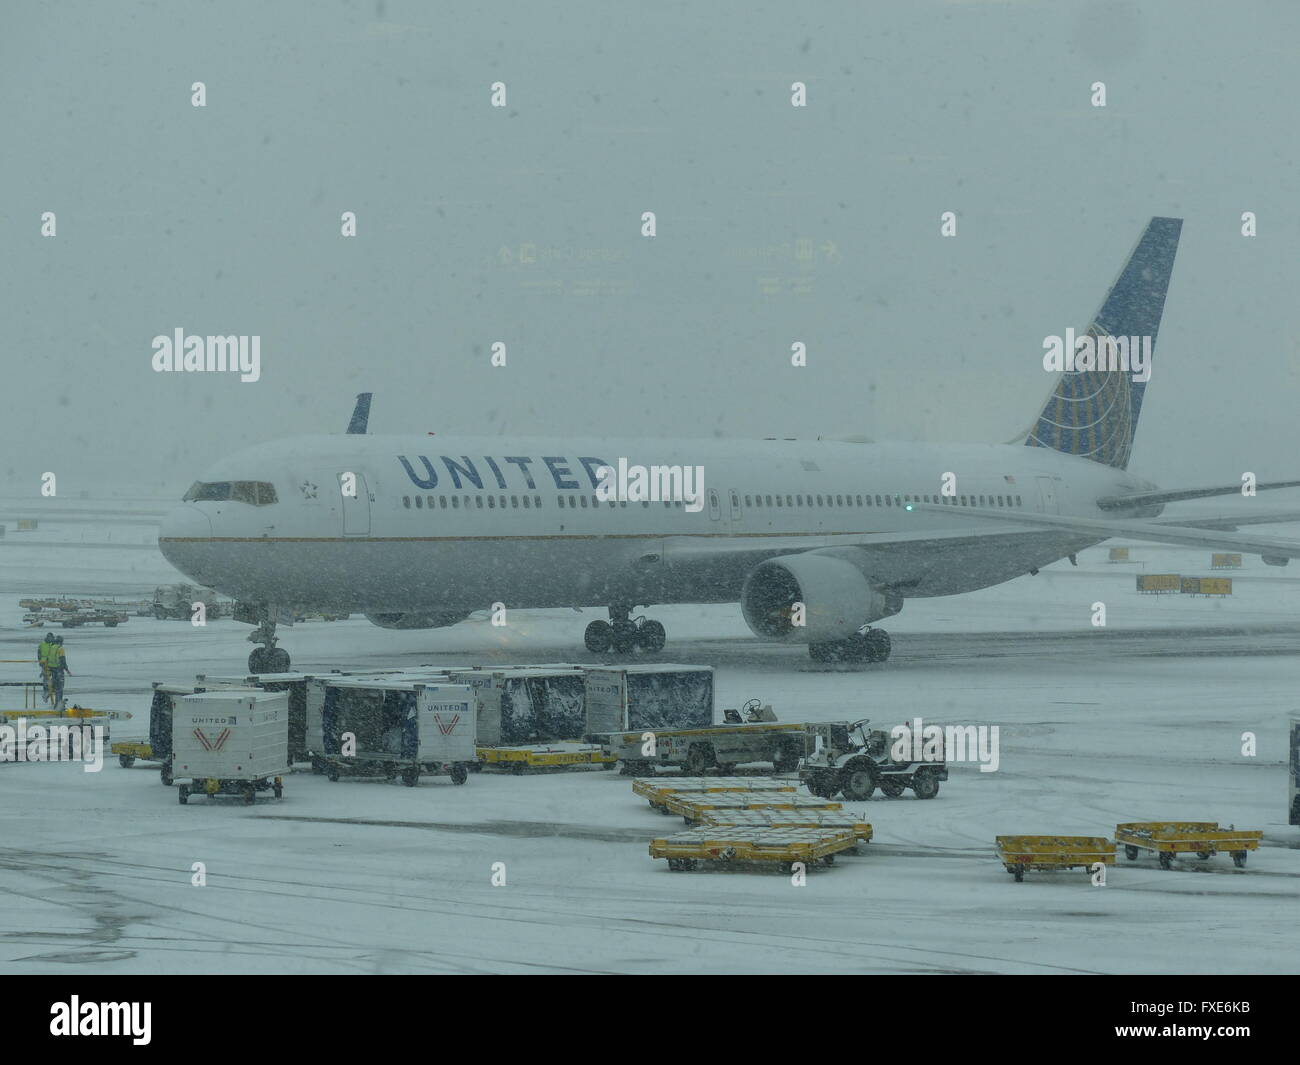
x,y
1140,721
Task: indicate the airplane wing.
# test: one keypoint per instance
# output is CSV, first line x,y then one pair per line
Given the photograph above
x,y
1271,550
1175,495
1230,522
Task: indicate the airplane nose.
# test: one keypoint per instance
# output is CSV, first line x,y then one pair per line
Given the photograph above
x,y
181,524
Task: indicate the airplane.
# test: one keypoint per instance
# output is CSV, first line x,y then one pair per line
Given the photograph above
x,y
815,539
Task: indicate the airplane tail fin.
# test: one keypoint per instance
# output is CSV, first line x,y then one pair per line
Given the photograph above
x,y
1093,413
360,414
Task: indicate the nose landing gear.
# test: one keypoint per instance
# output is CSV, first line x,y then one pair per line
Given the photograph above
x,y
268,658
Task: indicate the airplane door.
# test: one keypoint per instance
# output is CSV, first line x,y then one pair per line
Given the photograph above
x,y
715,508
356,508
734,499
1047,491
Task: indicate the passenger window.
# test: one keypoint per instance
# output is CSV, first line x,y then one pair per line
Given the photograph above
x,y
478,502
748,501
537,502
769,501
492,502
514,502
455,502
406,502
584,502
778,501
525,502
889,501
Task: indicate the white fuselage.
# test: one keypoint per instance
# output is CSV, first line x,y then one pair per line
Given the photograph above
x,y
483,520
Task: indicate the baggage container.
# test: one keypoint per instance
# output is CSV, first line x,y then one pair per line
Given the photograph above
x,y
162,707
640,697
231,741
396,727
293,684
538,704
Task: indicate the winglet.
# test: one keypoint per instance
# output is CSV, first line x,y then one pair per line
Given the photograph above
x,y
360,413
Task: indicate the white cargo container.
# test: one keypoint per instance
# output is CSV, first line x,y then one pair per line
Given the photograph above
x,y
659,696
231,741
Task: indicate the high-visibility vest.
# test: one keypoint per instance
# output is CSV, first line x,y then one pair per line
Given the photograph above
x,y
45,653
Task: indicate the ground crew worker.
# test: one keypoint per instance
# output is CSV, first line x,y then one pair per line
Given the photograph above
x,y
58,668
44,658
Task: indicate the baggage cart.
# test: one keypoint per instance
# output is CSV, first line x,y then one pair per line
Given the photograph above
x,y
230,743
695,808
396,728
791,818
1168,839
654,789
1018,853
641,697
544,756
721,844
162,708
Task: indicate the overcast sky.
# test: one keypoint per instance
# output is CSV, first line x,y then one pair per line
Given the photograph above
x,y
225,219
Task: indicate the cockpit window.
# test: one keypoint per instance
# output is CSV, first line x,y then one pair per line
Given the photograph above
x,y
256,493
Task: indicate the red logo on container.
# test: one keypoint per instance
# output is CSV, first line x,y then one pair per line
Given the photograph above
x,y
446,727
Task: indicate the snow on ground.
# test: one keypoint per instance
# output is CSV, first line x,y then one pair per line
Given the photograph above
x,y
1142,720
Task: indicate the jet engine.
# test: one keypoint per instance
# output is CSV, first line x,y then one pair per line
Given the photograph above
x,y
836,598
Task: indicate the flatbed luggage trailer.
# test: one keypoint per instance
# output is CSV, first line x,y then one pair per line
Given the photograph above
x,y
544,756
714,843
1046,853
1171,838
401,729
230,743
656,790
792,818
695,809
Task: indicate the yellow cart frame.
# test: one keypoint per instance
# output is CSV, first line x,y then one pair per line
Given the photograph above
x,y
1202,838
1018,853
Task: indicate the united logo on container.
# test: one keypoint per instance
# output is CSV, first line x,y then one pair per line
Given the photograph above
x,y
212,745
445,727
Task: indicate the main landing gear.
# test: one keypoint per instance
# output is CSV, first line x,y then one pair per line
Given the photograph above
x,y
622,634
268,658
870,645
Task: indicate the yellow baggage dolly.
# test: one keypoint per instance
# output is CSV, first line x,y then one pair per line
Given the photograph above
x,y
546,756
1170,838
695,808
778,818
128,751
655,789
1019,853
721,844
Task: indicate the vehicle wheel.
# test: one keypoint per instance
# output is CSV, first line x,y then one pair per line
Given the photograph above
x,y
699,758
858,781
786,759
126,761
410,777
828,859
598,637
1019,873
1166,860
925,785
651,637
166,775
674,866
110,624
607,766
332,775
822,785
1131,853
624,637
183,794
459,774
891,789
1239,859
257,660
1205,856
277,661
